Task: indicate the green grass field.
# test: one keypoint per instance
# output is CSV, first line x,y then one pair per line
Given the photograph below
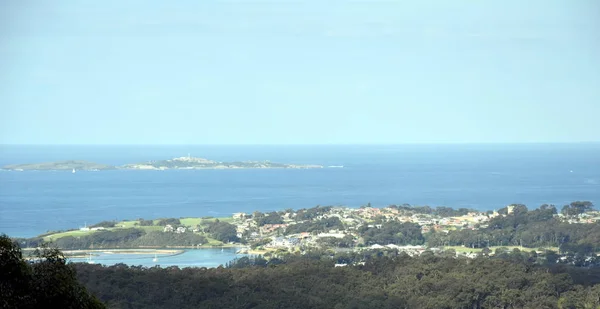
x,y
69,233
212,242
190,222
128,224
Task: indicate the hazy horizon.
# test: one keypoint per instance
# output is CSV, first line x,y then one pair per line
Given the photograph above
x,y
326,144
211,72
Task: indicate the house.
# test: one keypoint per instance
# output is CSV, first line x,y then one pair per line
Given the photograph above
x,y
284,242
239,216
336,235
168,228
180,230
269,228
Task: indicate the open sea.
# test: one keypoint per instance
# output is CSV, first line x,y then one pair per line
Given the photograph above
x,y
484,177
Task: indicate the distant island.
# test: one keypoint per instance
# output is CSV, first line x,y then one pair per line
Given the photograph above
x,y
175,163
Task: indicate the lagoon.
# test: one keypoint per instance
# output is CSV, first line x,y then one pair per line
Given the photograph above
x,y
208,257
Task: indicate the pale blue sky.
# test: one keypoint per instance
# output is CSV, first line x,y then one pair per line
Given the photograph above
x,y
299,72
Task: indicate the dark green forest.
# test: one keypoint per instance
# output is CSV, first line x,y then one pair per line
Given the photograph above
x,y
401,281
49,282
381,280
121,238
535,228
335,275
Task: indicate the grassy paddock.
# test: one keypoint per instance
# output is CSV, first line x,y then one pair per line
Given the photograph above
x,y
192,222
77,233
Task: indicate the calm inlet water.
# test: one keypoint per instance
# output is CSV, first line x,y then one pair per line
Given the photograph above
x,y
477,176
189,258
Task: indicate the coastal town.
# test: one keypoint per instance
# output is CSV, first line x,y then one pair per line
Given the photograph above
x,y
351,228
565,235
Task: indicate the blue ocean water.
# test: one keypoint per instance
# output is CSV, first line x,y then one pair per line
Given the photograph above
x,y
483,177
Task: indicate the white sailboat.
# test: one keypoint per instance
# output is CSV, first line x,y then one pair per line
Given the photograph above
x,y
73,171
155,259
89,260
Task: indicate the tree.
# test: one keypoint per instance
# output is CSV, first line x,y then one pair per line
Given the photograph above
x,y
519,210
168,221
486,251
450,253
222,231
366,206
577,208
271,218
143,222
48,282
105,224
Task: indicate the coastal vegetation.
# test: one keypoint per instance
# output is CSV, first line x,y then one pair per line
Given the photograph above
x,y
313,281
48,283
575,230
336,257
537,228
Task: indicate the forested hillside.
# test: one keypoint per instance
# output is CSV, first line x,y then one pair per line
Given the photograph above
x,y
313,282
48,283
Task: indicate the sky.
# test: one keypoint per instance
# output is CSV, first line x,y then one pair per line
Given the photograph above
x,y
299,72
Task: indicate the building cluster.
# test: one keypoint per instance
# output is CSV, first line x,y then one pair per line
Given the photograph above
x,y
584,218
349,231
170,229
276,237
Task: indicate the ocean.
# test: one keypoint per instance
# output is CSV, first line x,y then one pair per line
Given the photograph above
x,y
483,177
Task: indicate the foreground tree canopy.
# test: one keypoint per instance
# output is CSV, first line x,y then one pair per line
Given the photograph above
x,y
312,281
46,283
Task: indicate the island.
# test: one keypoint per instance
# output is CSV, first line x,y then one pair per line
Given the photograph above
x,y
175,163
59,166
201,163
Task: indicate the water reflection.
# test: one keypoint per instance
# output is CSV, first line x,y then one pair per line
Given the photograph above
x,y
208,257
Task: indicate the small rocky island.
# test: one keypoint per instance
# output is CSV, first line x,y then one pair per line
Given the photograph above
x,y
59,166
175,163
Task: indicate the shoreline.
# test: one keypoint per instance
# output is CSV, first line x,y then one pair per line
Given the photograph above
x,y
146,248
83,253
166,169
